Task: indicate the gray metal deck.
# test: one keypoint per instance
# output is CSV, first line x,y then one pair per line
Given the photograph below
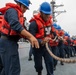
x,y
27,67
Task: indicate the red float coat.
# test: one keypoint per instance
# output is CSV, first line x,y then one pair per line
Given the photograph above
x,y
4,26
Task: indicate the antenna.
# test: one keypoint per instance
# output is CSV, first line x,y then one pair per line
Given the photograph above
x,y
53,4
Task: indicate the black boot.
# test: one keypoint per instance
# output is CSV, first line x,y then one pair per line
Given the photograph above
x,y
61,63
39,73
1,67
54,68
30,58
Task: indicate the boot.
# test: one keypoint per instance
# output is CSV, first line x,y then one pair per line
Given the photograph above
x,y
1,67
39,73
30,58
62,63
54,68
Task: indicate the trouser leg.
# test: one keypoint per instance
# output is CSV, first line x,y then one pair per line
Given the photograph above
x,y
10,59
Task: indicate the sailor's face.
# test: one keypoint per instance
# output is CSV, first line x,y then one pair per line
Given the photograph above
x,y
45,16
24,8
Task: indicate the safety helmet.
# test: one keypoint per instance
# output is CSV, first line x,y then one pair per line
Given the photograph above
x,y
45,8
58,27
73,38
24,2
66,34
55,25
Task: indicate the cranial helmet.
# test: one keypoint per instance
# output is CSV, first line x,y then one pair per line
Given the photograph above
x,y
24,2
58,27
55,25
45,8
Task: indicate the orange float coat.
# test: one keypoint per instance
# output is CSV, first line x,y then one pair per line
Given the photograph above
x,y
4,26
54,43
44,28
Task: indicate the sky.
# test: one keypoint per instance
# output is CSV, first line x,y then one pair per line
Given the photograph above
x,y
66,20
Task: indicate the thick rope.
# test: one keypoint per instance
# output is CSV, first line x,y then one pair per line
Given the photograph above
x,y
58,58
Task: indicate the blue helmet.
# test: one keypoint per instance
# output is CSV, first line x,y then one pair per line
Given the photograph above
x,y
58,27
24,2
55,25
66,34
45,8
73,38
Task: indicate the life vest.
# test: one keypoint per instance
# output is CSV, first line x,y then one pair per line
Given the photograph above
x,y
66,38
44,28
4,25
71,44
51,42
75,42
61,33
